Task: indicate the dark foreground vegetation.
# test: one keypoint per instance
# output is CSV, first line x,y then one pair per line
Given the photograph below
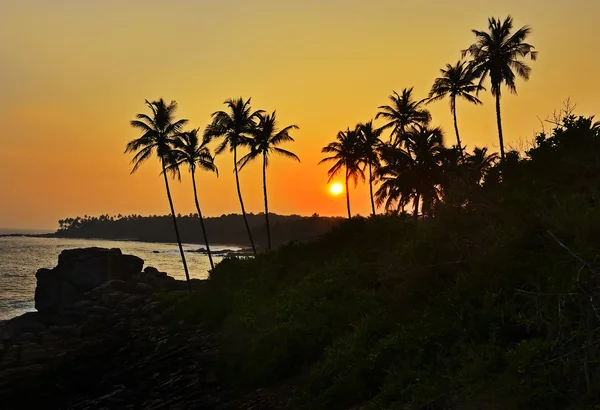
x,y
491,301
225,229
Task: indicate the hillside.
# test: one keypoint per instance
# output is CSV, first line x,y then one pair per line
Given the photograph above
x,y
490,303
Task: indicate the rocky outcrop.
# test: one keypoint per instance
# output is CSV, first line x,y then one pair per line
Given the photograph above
x,y
93,307
115,346
79,271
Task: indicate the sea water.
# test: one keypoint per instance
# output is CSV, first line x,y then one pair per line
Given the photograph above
x,y
21,257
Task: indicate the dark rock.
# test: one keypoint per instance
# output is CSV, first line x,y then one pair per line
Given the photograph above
x,y
151,270
26,323
79,271
143,288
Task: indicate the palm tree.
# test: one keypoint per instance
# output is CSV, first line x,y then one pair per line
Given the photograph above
x,y
412,173
346,154
187,149
499,54
369,145
265,138
479,162
403,112
159,131
456,81
234,126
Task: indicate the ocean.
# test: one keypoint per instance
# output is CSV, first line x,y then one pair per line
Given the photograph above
x,y
21,257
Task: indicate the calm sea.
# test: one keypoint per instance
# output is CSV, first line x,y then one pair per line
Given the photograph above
x,y
21,257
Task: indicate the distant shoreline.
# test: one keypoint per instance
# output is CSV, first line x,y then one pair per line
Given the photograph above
x,y
54,235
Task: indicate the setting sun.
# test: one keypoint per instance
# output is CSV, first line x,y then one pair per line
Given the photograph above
x,y
336,188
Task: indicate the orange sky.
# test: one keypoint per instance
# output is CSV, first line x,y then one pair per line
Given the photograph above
x,y
73,73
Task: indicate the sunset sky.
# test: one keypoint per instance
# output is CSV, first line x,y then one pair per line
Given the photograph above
x,y
73,73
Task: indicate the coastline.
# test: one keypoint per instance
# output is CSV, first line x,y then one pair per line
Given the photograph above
x,y
55,236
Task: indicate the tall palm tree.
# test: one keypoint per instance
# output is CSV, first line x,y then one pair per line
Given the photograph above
x,y
499,54
234,126
346,154
187,149
265,138
412,173
159,131
403,112
456,81
369,145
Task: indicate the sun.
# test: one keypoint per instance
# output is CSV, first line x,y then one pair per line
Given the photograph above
x,y
336,188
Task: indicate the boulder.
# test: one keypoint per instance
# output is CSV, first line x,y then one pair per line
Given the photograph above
x,y
80,271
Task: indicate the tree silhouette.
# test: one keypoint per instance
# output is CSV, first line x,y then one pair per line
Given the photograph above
x,y
479,162
456,81
347,156
234,126
159,131
369,146
264,140
187,149
412,173
499,54
403,112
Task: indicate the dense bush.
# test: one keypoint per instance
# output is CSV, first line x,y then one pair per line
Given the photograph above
x,y
493,302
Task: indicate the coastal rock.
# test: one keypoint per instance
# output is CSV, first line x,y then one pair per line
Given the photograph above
x,y
79,271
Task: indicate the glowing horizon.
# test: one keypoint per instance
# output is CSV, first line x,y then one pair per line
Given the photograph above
x,y
74,73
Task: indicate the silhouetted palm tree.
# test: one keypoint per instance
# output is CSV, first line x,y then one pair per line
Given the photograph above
x,y
265,138
187,149
499,54
456,81
159,131
479,162
403,112
369,146
412,173
234,126
347,156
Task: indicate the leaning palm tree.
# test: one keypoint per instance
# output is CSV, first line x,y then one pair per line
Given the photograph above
x,y
499,54
403,112
369,146
456,81
346,154
234,126
265,138
159,131
187,149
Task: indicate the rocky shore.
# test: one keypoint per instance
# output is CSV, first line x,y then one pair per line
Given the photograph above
x,y
100,339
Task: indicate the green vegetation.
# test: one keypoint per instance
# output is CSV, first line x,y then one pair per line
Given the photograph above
x,y
491,300
225,229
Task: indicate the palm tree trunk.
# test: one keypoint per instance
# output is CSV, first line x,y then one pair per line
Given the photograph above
x,y
185,268
266,200
371,189
456,128
348,196
498,118
416,210
212,265
239,192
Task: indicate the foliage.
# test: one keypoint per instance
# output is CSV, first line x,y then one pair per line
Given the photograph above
x,y
492,302
224,229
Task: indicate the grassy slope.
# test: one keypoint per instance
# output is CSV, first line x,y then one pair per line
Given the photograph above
x,y
478,308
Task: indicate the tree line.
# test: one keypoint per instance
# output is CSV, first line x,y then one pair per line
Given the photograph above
x,y
224,230
413,167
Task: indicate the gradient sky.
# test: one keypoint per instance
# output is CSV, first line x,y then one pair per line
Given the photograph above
x,y
74,72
